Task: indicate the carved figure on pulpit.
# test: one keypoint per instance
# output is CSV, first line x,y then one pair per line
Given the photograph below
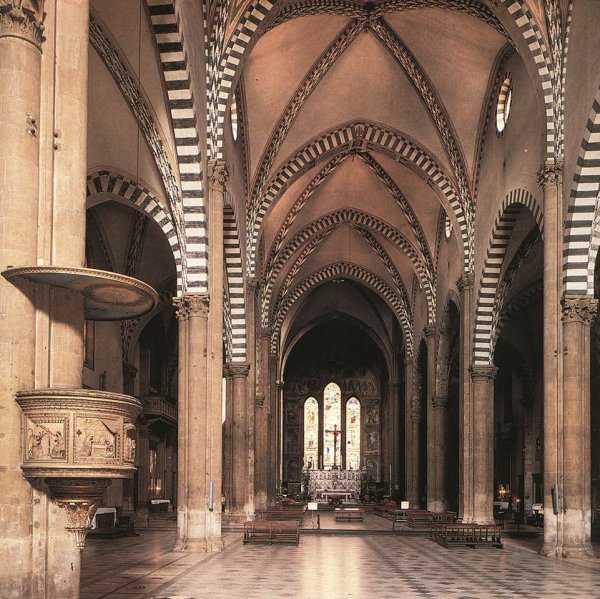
x,y
372,414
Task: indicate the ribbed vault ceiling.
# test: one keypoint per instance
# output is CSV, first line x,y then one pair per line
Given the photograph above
x,y
424,74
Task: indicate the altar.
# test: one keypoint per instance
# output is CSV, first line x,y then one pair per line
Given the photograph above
x,y
324,484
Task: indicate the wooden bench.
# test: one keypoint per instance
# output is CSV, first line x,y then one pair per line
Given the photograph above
x,y
469,535
349,513
272,531
283,514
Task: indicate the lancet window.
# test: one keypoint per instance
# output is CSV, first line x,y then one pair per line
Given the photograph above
x,y
332,431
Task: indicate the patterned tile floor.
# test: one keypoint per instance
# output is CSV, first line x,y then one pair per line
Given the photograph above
x,y
328,566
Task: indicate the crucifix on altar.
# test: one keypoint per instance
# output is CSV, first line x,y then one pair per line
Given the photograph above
x,y
335,432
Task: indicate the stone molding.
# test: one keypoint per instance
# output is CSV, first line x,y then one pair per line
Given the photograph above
x,y
483,372
218,173
266,332
439,402
408,360
466,281
259,401
550,173
80,498
280,384
191,305
579,309
237,370
22,19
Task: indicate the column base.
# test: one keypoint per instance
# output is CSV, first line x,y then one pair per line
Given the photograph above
x,y
577,551
209,545
236,518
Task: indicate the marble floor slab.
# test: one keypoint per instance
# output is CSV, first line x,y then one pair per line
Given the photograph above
x,y
329,566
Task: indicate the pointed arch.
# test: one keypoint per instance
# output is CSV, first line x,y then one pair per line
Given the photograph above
x,y
351,271
487,301
349,137
582,226
332,220
145,201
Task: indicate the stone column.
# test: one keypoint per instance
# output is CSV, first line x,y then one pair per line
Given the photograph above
x,y
578,313
252,349
440,415
262,402
228,443
431,430
483,443
277,434
550,178
182,313
465,404
409,445
394,403
199,494
416,417
217,182
240,504
20,76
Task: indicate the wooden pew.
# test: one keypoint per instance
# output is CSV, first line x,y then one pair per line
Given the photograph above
x,y
272,531
283,514
469,535
349,513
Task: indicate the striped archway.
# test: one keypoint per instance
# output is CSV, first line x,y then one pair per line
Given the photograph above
x,y
326,223
145,201
346,138
486,310
582,228
351,271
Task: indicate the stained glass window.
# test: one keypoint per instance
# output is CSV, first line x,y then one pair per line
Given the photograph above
x,y
353,434
311,434
332,426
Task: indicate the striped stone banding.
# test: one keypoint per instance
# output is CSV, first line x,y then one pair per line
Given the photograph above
x,y
486,310
581,237
351,271
235,286
174,62
343,139
227,328
331,221
535,42
145,200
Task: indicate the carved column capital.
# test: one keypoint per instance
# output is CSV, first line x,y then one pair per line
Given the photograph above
x,y
280,384
181,309
266,332
253,285
483,372
22,19
466,281
577,308
440,402
550,173
408,360
237,370
259,401
129,371
217,175
429,330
